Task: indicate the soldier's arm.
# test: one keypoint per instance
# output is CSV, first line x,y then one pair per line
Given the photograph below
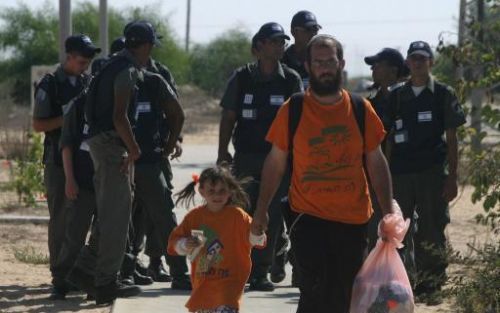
x,y
123,93
228,118
47,124
227,122
175,120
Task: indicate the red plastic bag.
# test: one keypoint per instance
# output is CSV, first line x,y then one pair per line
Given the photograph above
x,y
382,285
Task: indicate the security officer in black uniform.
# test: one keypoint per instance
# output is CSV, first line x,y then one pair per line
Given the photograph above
x,y
110,109
117,45
158,130
388,72
423,117
253,96
52,98
304,26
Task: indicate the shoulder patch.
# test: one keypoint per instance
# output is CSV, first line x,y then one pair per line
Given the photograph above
x,y
40,95
395,86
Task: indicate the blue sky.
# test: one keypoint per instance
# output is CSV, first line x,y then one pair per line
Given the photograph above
x,y
363,26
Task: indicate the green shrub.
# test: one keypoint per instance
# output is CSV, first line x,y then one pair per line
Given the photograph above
x,y
28,172
213,63
28,254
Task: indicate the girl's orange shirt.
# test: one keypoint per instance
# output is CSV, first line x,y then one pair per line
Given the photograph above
x,y
222,267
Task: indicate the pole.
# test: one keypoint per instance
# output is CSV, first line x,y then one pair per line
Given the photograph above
x,y
477,94
188,24
103,27
65,29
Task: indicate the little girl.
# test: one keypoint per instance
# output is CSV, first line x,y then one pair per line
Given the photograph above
x,y
217,239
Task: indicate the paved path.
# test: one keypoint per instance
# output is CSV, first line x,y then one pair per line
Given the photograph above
x,y
160,298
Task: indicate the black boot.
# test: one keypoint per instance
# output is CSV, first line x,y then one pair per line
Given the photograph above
x,y
82,280
157,271
181,282
58,293
261,284
141,279
108,293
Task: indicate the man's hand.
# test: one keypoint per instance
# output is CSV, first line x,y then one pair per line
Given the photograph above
x,y
128,161
224,157
450,188
71,189
259,222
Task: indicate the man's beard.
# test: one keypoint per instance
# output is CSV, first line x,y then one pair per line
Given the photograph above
x,y
327,87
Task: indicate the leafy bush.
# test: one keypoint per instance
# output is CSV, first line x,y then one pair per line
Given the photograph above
x,y
213,63
28,172
28,254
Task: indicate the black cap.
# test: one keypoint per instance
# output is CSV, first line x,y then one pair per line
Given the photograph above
x,y
304,19
391,56
82,44
141,32
270,30
421,48
117,45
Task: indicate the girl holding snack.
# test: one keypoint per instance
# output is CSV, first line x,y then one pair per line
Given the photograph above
x,y
216,237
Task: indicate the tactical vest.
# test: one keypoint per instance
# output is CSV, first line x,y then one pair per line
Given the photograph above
x,y
258,104
83,168
418,142
99,104
291,60
60,94
149,121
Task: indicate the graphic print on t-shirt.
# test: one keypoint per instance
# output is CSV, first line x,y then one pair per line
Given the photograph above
x,y
211,255
324,168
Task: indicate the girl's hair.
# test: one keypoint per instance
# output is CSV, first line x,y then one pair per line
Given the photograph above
x,y
215,174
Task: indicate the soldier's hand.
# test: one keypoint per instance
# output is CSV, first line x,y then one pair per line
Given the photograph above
x,y
129,160
71,189
177,151
450,188
224,157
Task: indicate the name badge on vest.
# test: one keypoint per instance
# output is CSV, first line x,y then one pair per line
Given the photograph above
x,y
398,124
85,129
249,114
401,136
143,107
305,82
425,116
84,146
276,99
248,99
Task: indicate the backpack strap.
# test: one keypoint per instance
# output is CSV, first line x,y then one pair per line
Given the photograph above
x,y
358,106
294,114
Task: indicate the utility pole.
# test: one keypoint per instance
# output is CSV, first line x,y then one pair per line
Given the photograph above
x,y
477,94
103,27
188,24
65,28
459,71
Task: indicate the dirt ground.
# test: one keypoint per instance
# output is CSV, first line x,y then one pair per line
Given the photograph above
x,y
25,287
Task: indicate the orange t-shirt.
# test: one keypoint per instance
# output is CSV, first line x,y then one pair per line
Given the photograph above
x,y
328,179
222,267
